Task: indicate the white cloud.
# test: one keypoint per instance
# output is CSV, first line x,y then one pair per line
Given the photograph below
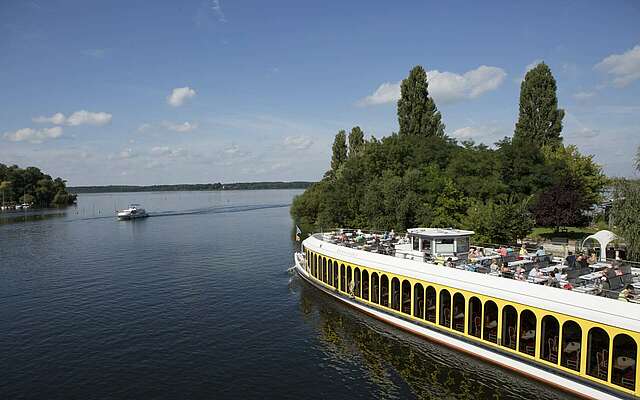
x,y
232,150
168,151
179,95
298,142
487,133
95,53
34,135
55,119
625,67
81,117
583,95
445,87
126,154
183,127
217,9
584,133
84,117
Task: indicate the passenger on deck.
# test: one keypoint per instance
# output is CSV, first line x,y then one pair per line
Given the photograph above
x,y
523,251
502,251
535,272
540,252
494,265
626,294
571,260
450,263
592,259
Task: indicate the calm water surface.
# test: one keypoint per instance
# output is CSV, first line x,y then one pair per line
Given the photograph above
x,y
196,302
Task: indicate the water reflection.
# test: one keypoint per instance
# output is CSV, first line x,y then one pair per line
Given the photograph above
x,y
400,364
38,215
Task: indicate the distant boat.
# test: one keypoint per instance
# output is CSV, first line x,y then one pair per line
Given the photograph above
x,y
134,211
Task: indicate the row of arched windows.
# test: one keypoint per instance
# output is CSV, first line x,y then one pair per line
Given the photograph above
x,y
559,344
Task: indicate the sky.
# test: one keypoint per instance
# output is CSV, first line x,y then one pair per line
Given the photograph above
x,y
195,91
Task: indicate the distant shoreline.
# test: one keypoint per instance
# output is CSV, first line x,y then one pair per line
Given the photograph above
x,y
190,187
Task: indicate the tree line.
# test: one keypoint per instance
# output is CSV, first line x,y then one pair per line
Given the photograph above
x,y
32,186
192,187
419,176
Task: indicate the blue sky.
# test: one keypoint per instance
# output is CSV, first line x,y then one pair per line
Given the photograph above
x,y
137,92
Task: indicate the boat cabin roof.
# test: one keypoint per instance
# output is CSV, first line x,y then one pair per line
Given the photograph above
x,y
439,232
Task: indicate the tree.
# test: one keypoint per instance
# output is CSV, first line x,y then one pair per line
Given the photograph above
x,y
539,119
561,205
637,160
417,112
500,222
626,216
339,150
356,141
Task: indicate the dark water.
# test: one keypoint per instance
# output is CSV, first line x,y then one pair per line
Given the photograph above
x,y
196,302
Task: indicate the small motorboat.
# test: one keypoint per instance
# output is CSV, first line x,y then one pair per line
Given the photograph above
x,y
133,212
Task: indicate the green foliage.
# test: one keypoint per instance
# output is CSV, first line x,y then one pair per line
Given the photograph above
x,y
505,221
561,205
417,112
192,187
421,177
30,185
636,162
339,149
356,141
626,216
539,119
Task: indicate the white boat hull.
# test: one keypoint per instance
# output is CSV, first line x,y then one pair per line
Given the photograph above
x,y
494,357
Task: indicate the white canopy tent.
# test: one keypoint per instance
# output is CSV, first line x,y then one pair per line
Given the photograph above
x,y
603,237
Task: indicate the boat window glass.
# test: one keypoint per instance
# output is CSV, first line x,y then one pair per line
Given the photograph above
x,y
330,273
356,279
475,317
625,356
375,288
509,327
415,242
549,343
598,353
406,297
395,294
365,284
315,266
336,275
444,246
343,277
350,283
418,301
324,270
384,290
458,312
571,345
426,246
462,245
445,308
490,326
528,322
431,304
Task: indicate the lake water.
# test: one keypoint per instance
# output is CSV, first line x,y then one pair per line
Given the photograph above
x,y
196,302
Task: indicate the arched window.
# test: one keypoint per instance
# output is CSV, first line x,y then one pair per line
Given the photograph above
x,y
458,312
475,317
336,275
445,308
395,294
343,277
625,355
406,297
418,301
375,288
384,290
509,327
350,283
330,273
324,270
598,353
365,284
528,332
490,322
549,343
431,304
571,345
356,279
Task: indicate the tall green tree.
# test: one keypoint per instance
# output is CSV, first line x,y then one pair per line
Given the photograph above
x,y
356,141
339,149
417,112
637,160
626,216
539,119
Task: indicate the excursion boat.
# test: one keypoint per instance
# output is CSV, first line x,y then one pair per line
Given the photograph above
x,y
581,343
133,212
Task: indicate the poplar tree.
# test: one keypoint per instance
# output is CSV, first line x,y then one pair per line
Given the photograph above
x,y
417,112
356,141
339,150
539,119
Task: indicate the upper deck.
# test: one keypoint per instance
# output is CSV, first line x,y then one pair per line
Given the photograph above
x,y
386,252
